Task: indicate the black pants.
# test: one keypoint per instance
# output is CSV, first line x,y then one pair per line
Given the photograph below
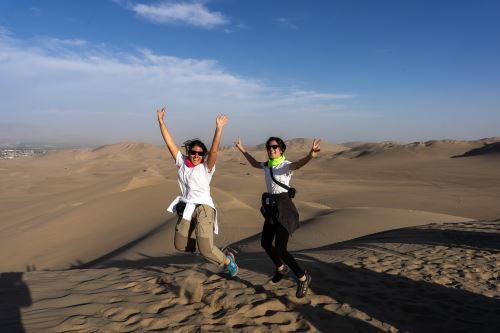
x,y
278,252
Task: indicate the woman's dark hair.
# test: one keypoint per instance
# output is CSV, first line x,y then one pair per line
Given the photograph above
x,y
280,142
189,144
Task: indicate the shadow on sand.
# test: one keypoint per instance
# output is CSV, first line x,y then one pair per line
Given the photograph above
x,y
414,306
321,318
14,295
409,305
428,235
487,149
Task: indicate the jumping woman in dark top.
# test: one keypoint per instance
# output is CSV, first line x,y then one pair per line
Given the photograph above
x,y
281,216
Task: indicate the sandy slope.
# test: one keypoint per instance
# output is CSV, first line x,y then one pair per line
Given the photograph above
x,y
102,212
430,278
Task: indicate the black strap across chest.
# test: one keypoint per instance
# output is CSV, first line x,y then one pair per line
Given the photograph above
x,y
277,182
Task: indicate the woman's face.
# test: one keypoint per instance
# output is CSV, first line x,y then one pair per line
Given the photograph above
x,y
196,155
273,149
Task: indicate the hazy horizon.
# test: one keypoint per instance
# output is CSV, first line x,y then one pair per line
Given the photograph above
x,y
53,145
89,73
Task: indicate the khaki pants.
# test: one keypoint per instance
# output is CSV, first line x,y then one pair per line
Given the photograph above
x,y
202,224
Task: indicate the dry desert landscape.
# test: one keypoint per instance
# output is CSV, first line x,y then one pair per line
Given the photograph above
x,y
398,238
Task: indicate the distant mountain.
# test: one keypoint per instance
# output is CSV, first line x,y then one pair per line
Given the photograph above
x,y
304,144
432,148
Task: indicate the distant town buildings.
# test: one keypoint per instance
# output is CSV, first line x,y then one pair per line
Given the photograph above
x,y
8,152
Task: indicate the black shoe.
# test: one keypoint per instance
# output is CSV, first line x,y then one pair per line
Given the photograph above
x,y
280,274
302,286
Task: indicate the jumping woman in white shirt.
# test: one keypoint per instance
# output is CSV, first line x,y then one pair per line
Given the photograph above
x,y
195,207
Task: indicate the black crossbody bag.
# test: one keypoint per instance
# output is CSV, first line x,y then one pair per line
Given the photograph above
x,y
291,191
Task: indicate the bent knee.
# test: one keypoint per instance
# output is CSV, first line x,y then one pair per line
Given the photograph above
x,y
282,252
206,249
180,243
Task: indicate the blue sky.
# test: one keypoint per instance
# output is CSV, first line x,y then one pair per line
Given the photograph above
x,y
93,72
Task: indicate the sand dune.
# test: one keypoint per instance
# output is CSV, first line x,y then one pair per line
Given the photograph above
x,y
82,232
345,224
383,283
428,149
398,237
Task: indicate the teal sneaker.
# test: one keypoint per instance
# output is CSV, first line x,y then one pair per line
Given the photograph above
x,y
232,268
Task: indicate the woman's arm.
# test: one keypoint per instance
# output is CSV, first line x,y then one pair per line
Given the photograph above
x,y
220,122
172,147
253,162
303,161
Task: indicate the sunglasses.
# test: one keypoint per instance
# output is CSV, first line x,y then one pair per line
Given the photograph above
x,y
195,152
273,146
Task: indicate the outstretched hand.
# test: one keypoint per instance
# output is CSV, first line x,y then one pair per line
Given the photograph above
x,y
165,133
238,144
315,147
160,113
221,121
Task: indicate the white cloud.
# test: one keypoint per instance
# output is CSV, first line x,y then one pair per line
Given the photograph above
x,y
4,32
188,13
62,42
35,11
93,94
286,23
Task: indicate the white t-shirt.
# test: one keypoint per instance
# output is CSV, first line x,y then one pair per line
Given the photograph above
x,y
195,187
194,182
281,172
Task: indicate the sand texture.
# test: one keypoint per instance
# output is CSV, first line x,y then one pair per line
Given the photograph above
x,y
397,238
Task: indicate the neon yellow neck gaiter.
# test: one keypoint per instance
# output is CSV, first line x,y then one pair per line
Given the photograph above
x,y
272,162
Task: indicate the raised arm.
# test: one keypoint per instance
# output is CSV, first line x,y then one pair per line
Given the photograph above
x,y
172,147
312,154
253,162
220,122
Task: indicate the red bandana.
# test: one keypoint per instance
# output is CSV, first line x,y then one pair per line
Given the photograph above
x,y
190,164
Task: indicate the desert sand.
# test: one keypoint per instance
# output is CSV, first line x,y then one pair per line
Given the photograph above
x,y
397,237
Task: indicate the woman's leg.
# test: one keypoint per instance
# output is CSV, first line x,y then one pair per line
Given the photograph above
x,y
281,244
182,234
266,241
205,216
